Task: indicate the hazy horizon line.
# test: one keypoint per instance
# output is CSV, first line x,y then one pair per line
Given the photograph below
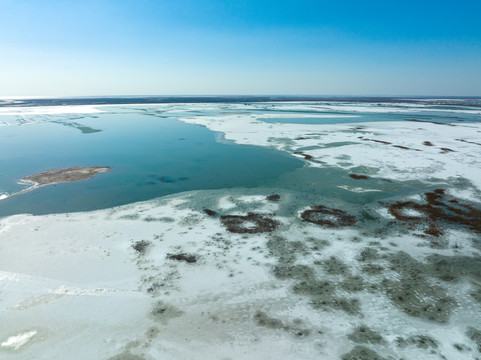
x,y
33,97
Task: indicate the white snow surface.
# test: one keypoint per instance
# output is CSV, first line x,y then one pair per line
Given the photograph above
x,y
392,150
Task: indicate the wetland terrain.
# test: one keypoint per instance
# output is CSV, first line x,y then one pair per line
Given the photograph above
x,y
286,229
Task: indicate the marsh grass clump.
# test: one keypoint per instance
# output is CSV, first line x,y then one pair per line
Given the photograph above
x,y
317,244
353,284
333,266
437,211
273,197
183,257
367,258
322,289
163,312
321,292
141,246
368,254
330,217
348,305
372,269
475,335
249,224
262,319
452,268
368,216
322,295
282,249
152,332
476,294
126,355
364,335
298,272
306,156
407,266
461,347
358,177
210,212
420,341
413,294
362,353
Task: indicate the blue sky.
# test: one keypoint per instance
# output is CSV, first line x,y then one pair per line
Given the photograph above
x,y
184,47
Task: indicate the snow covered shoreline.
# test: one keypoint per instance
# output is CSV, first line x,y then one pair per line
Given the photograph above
x,y
395,150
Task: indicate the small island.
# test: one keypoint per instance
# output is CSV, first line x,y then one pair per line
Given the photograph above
x,y
65,175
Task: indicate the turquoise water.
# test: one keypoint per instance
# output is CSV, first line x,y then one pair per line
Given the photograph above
x,y
153,154
150,156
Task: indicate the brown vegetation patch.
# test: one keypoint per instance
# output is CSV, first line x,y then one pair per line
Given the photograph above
x,y
274,197
437,210
404,147
358,177
322,215
430,122
210,212
378,141
141,246
306,156
183,257
388,143
249,224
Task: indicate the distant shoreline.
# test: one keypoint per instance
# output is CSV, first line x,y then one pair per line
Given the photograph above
x,y
130,100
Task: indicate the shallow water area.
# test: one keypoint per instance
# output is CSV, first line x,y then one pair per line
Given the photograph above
x,y
150,155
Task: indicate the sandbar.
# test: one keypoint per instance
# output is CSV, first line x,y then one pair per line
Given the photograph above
x,y
66,175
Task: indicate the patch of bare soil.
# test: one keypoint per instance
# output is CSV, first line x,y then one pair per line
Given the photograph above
x,y
66,175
